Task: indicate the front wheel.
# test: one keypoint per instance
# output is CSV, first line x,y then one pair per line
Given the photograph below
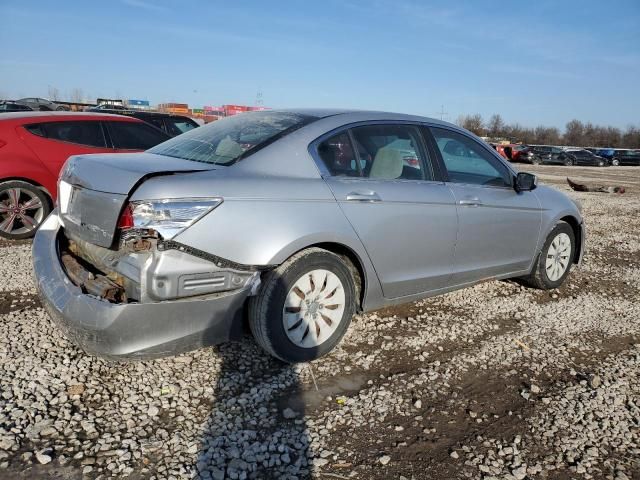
x,y
304,306
615,162
554,261
23,207
568,162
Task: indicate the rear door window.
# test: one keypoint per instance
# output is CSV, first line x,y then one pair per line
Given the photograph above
x,y
135,135
87,133
392,152
338,156
386,152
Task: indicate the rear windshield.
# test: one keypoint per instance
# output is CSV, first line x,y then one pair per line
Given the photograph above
x,y
227,141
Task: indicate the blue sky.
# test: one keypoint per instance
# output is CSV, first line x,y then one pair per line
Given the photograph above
x,y
534,62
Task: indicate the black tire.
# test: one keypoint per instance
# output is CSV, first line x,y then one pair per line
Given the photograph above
x,y
538,277
568,162
61,108
615,162
32,191
535,160
266,308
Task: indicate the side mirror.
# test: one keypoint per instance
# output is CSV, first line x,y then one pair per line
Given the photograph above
x,y
525,182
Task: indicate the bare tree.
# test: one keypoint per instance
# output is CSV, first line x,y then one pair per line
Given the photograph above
x,y
473,123
496,126
574,133
547,135
631,137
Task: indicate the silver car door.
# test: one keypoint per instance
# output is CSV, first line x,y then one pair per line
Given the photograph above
x,y
404,216
498,227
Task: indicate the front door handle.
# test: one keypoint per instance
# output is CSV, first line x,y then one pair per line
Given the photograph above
x,y
369,196
470,202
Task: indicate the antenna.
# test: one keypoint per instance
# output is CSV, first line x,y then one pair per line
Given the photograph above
x,y
442,113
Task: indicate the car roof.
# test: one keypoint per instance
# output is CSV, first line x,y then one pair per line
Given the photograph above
x,y
142,113
360,114
64,116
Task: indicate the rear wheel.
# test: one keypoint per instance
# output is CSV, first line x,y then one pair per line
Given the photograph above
x,y
555,258
23,207
304,307
615,162
568,161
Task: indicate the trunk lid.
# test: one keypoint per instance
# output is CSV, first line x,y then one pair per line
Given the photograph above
x,y
100,185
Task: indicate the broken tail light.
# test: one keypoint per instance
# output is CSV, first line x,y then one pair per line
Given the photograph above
x,y
125,221
168,217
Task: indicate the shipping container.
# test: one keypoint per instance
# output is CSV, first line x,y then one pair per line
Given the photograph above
x,y
234,109
138,103
174,105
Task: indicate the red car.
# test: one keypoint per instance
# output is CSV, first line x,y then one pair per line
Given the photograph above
x,y
35,145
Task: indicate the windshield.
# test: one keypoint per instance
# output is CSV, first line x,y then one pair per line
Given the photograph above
x,y
226,141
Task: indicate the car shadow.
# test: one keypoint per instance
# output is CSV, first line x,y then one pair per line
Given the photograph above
x,y
251,432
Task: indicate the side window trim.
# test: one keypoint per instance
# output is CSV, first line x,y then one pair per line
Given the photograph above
x,y
439,174
494,158
107,134
356,153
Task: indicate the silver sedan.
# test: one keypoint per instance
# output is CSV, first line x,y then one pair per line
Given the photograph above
x,y
290,222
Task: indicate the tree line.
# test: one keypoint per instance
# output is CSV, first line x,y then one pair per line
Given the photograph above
x,y
576,133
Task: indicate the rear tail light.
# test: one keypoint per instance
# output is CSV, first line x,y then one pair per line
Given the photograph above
x,y
168,217
125,221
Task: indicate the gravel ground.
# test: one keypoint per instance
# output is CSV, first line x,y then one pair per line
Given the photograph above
x,y
495,381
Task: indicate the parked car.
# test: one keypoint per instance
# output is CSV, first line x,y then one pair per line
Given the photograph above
x,y
302,218
169,123
551,155
106,108
503,150
626,157
35,145
522,153
606,153
9,106
581,156
41,104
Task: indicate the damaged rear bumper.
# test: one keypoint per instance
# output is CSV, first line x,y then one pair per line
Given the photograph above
x,y
130,330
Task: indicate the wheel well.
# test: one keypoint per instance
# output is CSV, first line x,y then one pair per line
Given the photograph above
x,y
577,233
353,260
34,183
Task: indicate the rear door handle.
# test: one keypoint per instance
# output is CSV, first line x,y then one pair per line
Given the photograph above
x,y
363,197
470,202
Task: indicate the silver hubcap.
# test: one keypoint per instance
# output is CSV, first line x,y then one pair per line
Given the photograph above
x,y
21,211
558,256
313,308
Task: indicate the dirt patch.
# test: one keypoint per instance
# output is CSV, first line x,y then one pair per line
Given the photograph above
x,y
11,301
